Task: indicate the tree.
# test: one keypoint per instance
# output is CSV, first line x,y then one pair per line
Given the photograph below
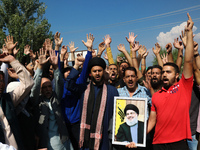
x,y
121,55
174,54
23,19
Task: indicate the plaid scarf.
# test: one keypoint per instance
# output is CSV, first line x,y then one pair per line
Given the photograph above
x,y
92,117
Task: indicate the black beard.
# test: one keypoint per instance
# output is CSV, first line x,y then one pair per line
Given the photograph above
x,y
156,85
95,81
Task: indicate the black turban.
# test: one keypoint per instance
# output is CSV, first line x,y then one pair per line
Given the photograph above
x,y
131,107
96,61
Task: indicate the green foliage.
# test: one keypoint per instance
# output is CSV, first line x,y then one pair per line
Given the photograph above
x,y
121,55
23,19
174,54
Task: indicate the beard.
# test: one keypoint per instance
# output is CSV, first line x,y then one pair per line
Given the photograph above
x,y
170,83
155,85
97,81
133,122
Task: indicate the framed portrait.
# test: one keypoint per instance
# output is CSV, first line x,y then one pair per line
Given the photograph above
x,y
129,121
83,52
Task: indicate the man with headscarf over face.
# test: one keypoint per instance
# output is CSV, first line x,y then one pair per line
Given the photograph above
x,y
96,107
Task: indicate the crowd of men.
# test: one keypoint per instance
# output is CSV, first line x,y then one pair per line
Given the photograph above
x,y
47,104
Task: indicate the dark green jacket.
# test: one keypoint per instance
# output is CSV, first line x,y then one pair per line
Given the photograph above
x,y
124,133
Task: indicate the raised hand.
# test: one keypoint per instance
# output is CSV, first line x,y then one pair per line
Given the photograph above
x,y
79,61
147,84
66,59
15,51
12,73
168,48
145,54
27,49
9,44
42,57
183,37
135,47
102,47
131,38
164,58
53,59
89,42
156,51
142,50
71,47
32,55
57,40
48,44
105,55
121,48
63,52
178,44
190,23
107,40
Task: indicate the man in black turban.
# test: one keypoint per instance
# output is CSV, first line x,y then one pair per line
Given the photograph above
x,y
132,130
96,66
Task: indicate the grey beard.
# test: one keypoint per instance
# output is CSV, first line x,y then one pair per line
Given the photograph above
x,y
133,122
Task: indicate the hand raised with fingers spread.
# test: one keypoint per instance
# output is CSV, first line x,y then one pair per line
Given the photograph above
x,y
48,44
71,47
131,38
145,54
147,84
15,51
107,40
121,48
142,50
178,44
57,40
164,58
53,59
156,51
42,58
168,48
102,47
63,52
27,49
10,44
135,47
89,42
79,61
190,23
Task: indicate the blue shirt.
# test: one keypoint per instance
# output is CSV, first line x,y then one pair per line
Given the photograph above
x,y
140,92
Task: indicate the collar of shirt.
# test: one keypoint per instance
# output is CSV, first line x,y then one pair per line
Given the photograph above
x,y
139,89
